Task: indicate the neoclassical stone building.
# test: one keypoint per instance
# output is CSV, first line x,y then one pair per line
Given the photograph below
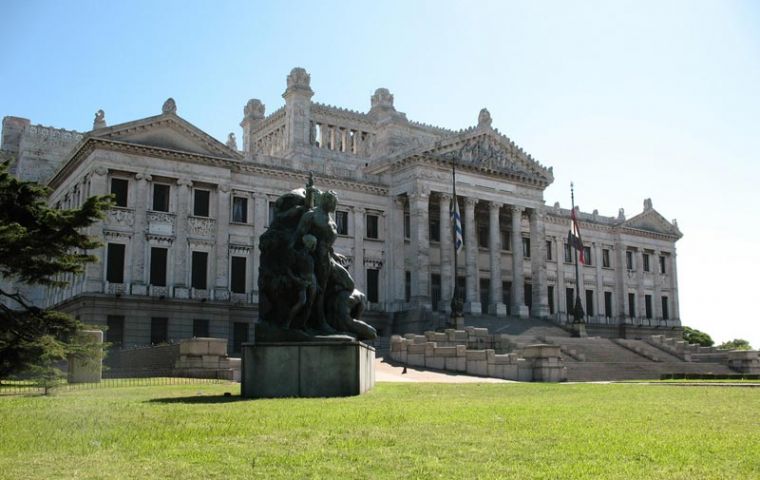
x,y
180,249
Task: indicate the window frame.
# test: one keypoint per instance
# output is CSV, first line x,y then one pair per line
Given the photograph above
x,y
168,197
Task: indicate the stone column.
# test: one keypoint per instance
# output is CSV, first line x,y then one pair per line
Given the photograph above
x,y
472,300
95,271
357,266
639,264
181,250
596,251
447,252
260,221
518,289
420,244
497,306
674,289
139,244
621,283
540,300
657,281
561,304
394,228
222,247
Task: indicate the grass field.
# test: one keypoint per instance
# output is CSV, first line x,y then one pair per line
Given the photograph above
x,y
396,431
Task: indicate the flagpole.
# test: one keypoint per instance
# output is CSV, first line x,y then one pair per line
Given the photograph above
x,y
456,310
578,307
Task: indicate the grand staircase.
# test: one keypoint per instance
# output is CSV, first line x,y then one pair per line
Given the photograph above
x,y
596,358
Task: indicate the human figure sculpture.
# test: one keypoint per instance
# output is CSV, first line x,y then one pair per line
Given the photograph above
x,y
305,292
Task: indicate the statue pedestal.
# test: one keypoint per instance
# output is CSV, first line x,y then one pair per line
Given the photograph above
x,y
307,369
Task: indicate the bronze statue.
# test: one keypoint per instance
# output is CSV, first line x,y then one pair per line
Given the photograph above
x,y
305,292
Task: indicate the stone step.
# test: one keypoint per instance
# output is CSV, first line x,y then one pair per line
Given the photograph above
x,y
601,371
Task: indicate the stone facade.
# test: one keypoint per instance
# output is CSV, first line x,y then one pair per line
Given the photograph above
x,y
182,246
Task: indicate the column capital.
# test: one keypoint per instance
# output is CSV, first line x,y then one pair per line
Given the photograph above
x,y
495,206
399,201
470,201
184,182
259,195
444,197
224,187
99,170
144,177
516,209
360,210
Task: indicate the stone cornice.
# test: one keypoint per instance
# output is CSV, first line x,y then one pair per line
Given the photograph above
x,y
603,224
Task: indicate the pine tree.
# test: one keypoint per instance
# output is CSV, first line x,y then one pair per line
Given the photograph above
x,y
37,245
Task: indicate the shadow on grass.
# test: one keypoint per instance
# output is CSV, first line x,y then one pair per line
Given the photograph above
x,y
200,399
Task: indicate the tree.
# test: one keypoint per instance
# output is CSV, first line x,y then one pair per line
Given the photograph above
x,y
37,244
694,336
735,344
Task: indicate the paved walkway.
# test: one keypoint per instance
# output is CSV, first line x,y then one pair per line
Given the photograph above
x,y
392,372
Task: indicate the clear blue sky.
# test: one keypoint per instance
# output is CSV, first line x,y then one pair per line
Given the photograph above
x,y
628,99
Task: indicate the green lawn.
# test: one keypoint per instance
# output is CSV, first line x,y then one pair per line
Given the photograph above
x,y
552,431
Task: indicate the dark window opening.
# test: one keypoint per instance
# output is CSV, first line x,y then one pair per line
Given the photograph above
x,y
648,306
608,304
158,258
115,263
632,305
549,250
526,247
200,328
662,264
372,227
200,261
568,253
550,297
341,220
629,260
590,303
160,197
240,209
239,336
506,240
159,330
435,290
373,283
115,331
435,230
587,256
570,300
485,293
237,274
646,262
606,258
120,189
483,239
665,309
407,286
201,200
407,225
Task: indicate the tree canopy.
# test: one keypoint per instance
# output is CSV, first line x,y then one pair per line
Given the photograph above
x,y
694,336
37,244
735,344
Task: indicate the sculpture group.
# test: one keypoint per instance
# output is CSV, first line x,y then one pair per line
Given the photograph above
x,y
305,292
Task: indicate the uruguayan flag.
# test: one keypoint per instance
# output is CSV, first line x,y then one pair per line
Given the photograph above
x,y
457,222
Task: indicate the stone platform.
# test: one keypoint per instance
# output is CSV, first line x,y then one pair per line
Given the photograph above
x,y
307,369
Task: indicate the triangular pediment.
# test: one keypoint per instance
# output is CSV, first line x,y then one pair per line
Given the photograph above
x,y
166,131
651,221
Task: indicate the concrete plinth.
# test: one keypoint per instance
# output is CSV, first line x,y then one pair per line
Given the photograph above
x,y
89,369
307,369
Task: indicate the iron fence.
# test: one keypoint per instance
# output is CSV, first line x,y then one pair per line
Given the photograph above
x,y
28,387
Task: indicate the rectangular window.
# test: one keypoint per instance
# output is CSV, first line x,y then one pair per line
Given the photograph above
x,y
161,197
506,293
550,296
435,290
237,274
239,336
159,330
646,262
435,230
605,258
341,220
373,283
588,260
608,304
648,306
408,286
120,190
271,212
629,260
201,200
549,250
372,227
528,297
632,305
483,237
665,309
115,331
115,263
461,287
662,264
485,293
240,210
158,266
568,253
526,247
589,303
506,240
200,265
407,225
570,301
200,328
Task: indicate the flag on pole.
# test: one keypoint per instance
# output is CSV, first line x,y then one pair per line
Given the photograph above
x,y
574,237
457,224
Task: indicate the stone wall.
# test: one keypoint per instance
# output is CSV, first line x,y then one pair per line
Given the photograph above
x,y
539,363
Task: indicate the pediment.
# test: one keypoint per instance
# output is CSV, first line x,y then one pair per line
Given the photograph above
x,y
486,149
651,221
167,131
